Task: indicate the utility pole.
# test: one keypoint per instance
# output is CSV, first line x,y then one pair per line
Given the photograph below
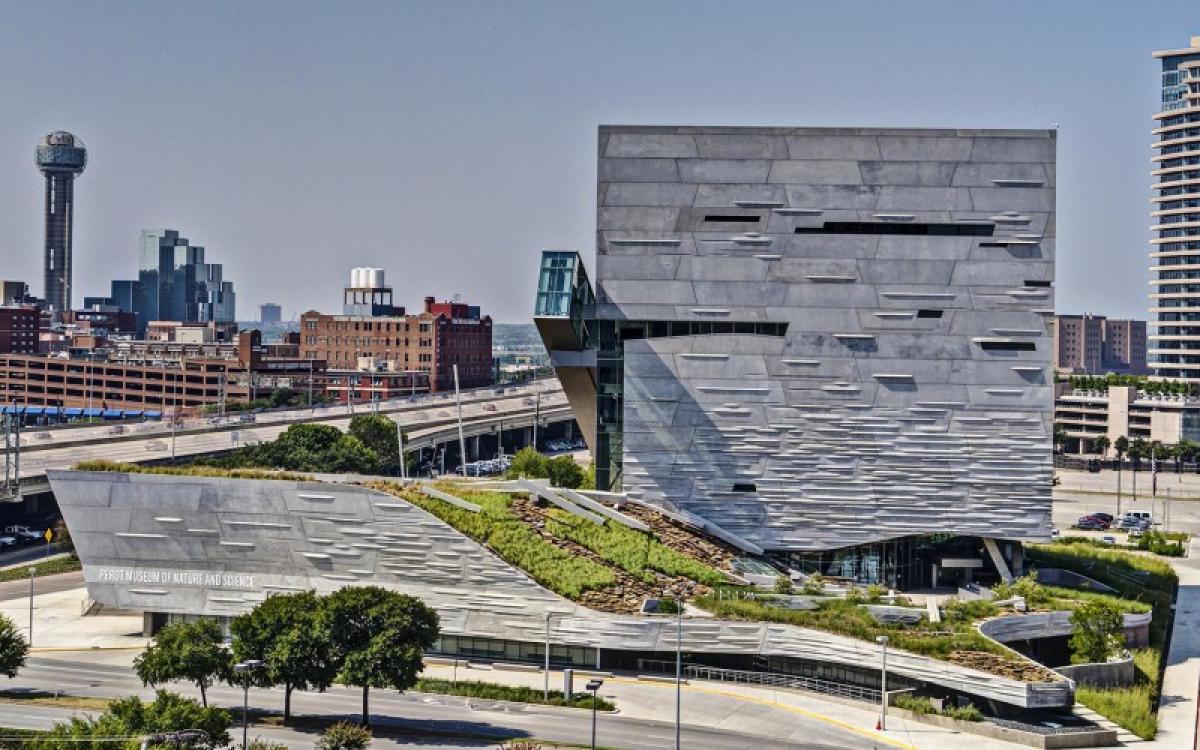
x,y
462,441
32,573
400,448
678,669
883,693
546,668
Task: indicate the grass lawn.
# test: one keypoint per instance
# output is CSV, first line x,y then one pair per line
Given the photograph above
x,y
191,471
44,568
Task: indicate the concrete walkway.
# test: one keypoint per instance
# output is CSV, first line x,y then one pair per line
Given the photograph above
x,y
1181,680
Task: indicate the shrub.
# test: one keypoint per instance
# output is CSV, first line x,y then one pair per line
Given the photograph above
x,y
261,744
918,704
783,584
854,595
344,736
813,586
957,610
494,691
963,713
875,593
1097,632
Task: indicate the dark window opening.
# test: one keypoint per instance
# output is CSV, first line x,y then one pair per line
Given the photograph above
x,y
657,329
744,218
869,227
929,313
744,487
1007,346
1037,283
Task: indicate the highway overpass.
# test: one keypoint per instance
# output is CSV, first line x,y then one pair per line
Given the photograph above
x,y
428,420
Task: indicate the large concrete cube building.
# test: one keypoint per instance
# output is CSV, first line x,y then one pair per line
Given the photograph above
x,y
828,343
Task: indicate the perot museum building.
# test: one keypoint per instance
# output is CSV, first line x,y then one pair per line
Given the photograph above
x,y
829,342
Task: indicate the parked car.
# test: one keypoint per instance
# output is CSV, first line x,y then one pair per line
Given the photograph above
x,y
23,532
1132,518
8,541
1055,533
1135,534
1095,520
1105,517
1090,524
1108,539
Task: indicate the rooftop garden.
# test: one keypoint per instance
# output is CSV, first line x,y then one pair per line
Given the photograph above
x,y
190,471
1142,580
609,567
1143,383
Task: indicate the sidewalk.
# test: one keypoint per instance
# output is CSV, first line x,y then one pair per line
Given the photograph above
x,y
742,708
59,624
1181,680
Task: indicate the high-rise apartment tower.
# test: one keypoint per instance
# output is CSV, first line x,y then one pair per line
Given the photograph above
x,y
1175,296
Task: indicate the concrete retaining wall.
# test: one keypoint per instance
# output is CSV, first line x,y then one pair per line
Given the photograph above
x,y
1109,674
1093,738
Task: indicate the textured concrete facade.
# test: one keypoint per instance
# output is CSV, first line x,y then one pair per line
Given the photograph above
x,y
206,546
911,391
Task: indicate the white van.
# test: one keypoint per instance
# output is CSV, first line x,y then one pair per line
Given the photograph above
x,y
1131,518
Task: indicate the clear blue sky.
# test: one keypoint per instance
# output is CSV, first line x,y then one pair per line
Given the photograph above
x,y
449,141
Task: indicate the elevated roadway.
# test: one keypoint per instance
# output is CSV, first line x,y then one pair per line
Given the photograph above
x,y
428,420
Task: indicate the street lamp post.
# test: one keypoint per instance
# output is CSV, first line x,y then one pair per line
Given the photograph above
x,y
32,573
244,668
594,686
546,669
678,669
882,640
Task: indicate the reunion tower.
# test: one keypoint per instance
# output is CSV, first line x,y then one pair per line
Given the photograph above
x,y
60,156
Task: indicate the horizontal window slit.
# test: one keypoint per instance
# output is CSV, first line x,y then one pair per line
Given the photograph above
x,y
1008,346
733,217
929,313
1037,283
869,227
744,487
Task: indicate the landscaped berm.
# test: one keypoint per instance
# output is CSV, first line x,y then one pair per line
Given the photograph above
x,y
1002,651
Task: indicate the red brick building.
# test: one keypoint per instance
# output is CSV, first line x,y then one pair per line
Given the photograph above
x,y
19,329
431,342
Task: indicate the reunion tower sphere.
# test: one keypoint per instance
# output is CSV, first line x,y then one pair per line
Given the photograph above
x,y
61,152
60,156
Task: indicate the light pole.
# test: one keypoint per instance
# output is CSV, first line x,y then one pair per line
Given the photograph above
x,y
594,685
537,409
462,442
400,448
32,573
882,640
678,669
244,668
546,669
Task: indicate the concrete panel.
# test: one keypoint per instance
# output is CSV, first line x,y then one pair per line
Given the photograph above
x,y
815,172
649,194
638,170
724,170
650,145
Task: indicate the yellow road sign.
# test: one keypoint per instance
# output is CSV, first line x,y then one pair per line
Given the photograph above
x,y
49,535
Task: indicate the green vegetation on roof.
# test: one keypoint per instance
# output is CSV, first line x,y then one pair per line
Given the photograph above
x,y
190,471
557,569
1138,579
634,551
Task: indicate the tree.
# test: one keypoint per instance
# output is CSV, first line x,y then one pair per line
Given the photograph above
x,y
349,455
378,433
1096,632
528,463
13,648
344,736
379,637
563,471
1101,445
286,633
1060,436
126,717
1121,446
783,584
191,651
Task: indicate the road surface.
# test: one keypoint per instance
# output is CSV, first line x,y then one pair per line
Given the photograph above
x,y
762,728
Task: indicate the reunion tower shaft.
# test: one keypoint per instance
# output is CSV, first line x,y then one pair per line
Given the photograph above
x,y
60,157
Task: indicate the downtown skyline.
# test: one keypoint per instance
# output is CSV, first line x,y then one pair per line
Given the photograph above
x,y
336,142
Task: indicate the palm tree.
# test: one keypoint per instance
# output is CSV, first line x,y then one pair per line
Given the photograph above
x,y
1060,436
1100,445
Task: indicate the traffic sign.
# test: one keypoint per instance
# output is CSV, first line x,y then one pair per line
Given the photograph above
x,y
48,535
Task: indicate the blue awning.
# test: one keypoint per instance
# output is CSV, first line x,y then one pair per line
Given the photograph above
x,y
134,413
33,410
92,412
8,409
152,414
72,412
51,411
112,414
